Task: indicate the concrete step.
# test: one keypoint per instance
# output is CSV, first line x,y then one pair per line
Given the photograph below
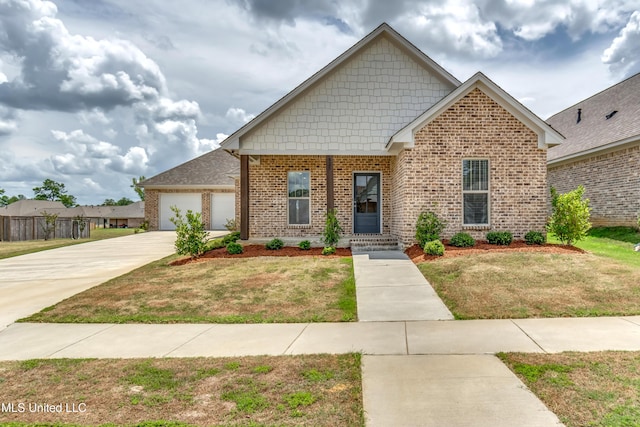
x,y
374,243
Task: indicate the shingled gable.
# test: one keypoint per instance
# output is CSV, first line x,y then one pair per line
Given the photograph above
x,y
211,170
365,138
595,132
547,136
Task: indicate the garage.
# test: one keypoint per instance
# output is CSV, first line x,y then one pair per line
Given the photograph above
x,y
184,201
223,208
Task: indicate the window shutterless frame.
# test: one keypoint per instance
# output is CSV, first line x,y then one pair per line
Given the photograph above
x,y
476,200
298,198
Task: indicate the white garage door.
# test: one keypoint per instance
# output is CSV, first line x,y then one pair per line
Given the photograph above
x,y
184,201
223,208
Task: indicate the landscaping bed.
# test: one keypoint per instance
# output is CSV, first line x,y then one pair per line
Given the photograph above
x,y
252,251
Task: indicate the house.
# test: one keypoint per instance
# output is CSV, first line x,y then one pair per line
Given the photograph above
x,y
601,152
128,216
383,133
205,185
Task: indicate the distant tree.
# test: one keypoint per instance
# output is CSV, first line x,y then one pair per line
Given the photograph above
x,y
124,201
54,191
109,202
4,200
134,185
68,200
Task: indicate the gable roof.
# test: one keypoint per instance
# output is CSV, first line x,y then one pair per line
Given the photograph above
x,y
30,207
213,169
595,132
547,136
232,143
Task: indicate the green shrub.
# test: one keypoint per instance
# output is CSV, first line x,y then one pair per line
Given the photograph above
x,y
328,250
231,224
462,240
503,238
569,221
234,248
274,244
191,237
231,237
434,247
534,238
428,227
305,245
332,229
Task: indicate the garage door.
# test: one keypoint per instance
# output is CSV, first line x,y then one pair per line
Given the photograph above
x,y
184,201
223,208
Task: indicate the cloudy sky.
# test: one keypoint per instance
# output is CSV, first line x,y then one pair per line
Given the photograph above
x,y
96,92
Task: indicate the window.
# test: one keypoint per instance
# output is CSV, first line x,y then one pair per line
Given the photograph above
x,y
299,188
475,192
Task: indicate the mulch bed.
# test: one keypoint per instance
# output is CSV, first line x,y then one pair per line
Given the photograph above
x,y
260,250
417,255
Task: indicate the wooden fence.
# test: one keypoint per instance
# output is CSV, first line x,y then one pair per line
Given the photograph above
x,y
20,228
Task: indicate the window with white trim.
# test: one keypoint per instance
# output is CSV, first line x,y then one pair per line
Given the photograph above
x,y
299,190
475,192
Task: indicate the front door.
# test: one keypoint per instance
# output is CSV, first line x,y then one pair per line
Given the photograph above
x,y
366,203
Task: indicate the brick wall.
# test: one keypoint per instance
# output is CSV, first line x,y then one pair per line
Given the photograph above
x,y
268,193
429,176
611,181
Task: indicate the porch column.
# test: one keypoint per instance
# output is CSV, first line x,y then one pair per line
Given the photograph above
x,y
244,197
330,203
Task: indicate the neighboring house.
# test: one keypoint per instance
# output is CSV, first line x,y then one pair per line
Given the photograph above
x,y
601,152
205,184
128,216
383,133
30,207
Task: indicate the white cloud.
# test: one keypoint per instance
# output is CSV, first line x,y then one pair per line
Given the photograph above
x,y
623,56
238,115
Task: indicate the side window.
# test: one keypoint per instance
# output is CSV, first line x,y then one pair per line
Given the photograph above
x,y
475,192
299,189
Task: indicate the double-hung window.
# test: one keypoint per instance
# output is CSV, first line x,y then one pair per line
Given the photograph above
x,y
299,189
475,192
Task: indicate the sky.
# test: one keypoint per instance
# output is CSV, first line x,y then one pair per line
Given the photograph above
x,y
96,92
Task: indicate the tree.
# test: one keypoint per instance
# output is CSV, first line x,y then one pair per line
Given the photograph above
x,y
54,191
191,237
124,201
109,202
4,200
569,221
138,190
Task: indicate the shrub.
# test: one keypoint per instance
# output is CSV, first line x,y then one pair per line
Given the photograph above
x,y
191,236
231,237
274,244
534,238
428,227
305,245
462,240
332,229
503,238
234,248
434,247
328,250
569,220
231,224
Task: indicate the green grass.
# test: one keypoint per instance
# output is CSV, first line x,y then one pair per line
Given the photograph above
x,y
610,242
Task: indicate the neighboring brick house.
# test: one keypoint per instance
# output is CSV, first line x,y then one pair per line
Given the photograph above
x,y
382,133
601,152
205,184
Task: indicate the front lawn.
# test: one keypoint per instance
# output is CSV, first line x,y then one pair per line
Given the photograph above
x,y
584,389
526,284
235,290
314,390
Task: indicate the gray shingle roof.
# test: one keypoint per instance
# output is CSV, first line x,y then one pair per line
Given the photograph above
x,y
210,169
30,207
595,130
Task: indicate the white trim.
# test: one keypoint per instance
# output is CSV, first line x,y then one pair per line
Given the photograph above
x,y
596,151
299,198
203,188
487,191
353,208
274,152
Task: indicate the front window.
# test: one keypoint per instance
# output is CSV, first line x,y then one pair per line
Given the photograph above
x,y
475,192
299,188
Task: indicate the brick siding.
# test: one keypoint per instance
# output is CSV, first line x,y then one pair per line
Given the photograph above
x,y
611,182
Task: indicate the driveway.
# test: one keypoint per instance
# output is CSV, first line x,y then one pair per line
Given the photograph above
x,y
29,283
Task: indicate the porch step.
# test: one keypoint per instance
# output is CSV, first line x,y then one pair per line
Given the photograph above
x,y
374,243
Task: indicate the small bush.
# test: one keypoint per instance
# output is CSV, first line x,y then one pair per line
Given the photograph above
x,y
462,240
534,238
234,248
328,250
274,245
231,237
434,247
332,229
191,236
569,221
503,238
305,245
428,227
231,224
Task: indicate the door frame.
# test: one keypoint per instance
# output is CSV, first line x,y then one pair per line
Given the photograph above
x,y
353,207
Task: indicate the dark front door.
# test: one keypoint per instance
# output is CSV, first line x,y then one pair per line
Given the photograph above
x,y
366,203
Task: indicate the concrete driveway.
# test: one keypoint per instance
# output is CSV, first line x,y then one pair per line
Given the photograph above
x,y
29,283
